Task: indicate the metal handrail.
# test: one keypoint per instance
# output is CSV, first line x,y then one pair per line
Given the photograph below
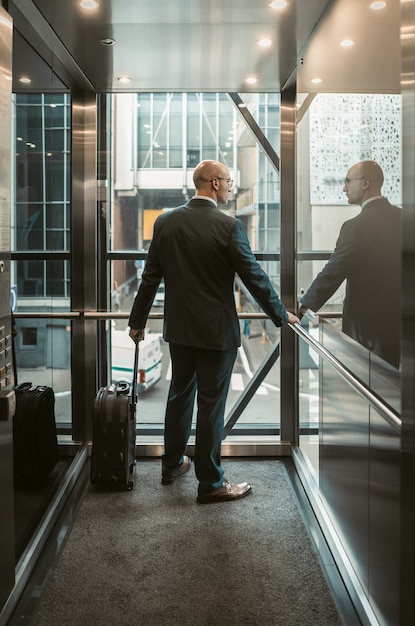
x,y
109,315
68,315
121,315
358,385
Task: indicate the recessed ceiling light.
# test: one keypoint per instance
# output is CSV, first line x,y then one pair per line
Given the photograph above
x,y
377,5
107,41
278,4
25,80
89,4
347,43
265,42
124,79
316,80
251,80
242,105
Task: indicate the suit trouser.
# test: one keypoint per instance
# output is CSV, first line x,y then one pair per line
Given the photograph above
x,y
207,372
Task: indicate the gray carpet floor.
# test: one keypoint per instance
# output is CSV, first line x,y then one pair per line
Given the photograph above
x,y
153,556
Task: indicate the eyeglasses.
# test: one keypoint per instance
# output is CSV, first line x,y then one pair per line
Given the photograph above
x,y
349,180
228,180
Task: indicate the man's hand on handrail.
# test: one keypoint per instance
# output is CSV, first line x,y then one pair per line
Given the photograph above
x,y
292,319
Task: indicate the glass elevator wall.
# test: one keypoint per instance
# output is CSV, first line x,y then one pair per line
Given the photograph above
x,y
157,140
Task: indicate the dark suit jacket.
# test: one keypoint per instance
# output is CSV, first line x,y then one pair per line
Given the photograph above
x,y
368,256
197,249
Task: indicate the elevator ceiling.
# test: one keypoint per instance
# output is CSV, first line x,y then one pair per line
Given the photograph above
x,y
202,45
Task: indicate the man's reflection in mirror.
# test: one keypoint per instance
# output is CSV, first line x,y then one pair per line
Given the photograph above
x,y
368,256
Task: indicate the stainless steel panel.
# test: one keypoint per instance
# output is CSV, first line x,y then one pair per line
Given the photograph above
x,y
408,320
344,466
360,480
289,369
7,558
211,46
341,69
84,206
384,519
386,381
201,35
230,449
84,260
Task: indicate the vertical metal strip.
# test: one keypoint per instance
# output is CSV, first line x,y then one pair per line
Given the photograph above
x,y
407,561
7,521
289,359
104,193
84,260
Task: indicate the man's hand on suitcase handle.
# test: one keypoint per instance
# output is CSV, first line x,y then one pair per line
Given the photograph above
x,y
137,335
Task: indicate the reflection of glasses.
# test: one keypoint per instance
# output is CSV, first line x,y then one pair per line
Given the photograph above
x,y
349,180
228,180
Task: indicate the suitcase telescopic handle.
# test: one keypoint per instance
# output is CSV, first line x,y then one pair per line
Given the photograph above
x,y
135,374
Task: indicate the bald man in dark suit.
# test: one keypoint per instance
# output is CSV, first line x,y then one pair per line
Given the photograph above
x,y
197,250
368,256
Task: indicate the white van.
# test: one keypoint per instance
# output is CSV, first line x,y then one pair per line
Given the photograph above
x,y
149,359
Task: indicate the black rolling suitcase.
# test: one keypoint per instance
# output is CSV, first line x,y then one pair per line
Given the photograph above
x,y
114,433
35,444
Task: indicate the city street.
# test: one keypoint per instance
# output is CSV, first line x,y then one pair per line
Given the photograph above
x,y
261,409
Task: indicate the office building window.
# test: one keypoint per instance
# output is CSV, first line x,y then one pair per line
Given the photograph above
x,y
41,221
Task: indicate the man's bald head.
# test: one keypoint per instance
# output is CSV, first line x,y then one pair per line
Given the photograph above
x,y
363,181
211,180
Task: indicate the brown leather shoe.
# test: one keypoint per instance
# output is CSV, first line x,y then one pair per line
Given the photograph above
x,y
228,491
168,479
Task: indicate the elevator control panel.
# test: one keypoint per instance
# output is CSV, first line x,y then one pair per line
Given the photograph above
x,y
6,356
7,395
